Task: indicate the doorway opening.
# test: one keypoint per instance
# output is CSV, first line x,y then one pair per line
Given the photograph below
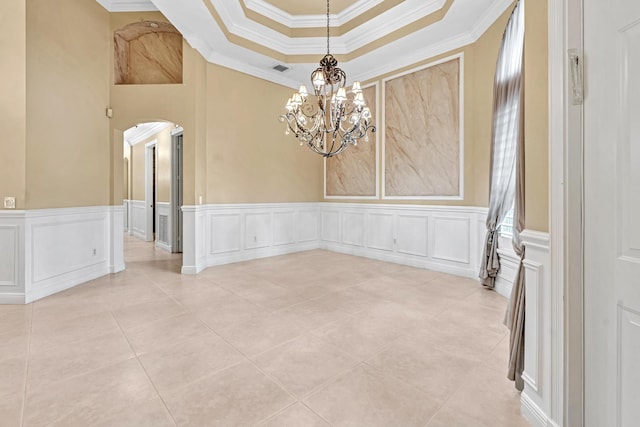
x,y
153,185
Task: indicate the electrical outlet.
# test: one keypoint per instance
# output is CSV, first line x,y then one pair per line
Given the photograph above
x,y
9,202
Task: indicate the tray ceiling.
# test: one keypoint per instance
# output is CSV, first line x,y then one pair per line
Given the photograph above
x,y
368,37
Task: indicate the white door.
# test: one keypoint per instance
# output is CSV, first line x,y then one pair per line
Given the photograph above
x,y
612,212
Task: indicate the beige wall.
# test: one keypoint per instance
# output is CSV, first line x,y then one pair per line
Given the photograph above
x,y
137,166
163,158
249,158
479,70
67,73
13,98
225,160
177,103
536,110
235,150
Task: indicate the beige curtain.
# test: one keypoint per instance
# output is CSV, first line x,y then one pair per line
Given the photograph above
x,y
507,180
515,316
506,134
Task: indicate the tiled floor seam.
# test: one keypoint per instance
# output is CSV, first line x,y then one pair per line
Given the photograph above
x,y
146,373
26,373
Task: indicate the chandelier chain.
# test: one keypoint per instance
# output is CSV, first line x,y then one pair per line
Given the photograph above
x,y
327,27
330,119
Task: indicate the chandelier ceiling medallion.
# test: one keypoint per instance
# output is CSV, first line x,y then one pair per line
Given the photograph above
x,y
333,119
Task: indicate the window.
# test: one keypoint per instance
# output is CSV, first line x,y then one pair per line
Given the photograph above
x,y
506,226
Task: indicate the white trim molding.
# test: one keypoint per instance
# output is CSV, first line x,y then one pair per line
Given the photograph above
x,y
376,141
57,249
382,124
543,350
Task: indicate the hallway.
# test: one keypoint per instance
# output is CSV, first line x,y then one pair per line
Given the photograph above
x,y
308,339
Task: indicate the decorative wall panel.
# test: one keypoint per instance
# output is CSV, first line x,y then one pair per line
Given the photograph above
x,y
257,230
225,233
283,232
353,228
422,133
353,173
8,255
148,52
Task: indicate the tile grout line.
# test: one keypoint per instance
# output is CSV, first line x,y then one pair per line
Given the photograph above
x,y
166,407
26,373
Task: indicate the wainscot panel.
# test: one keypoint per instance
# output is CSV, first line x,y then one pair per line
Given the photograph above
x,y
138,219
55,249
441,238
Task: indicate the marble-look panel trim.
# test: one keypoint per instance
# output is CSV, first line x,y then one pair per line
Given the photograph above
x,y
386,192
374,138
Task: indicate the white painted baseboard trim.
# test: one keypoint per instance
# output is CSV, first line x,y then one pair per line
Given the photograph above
x,y
533,413
12,298
60,248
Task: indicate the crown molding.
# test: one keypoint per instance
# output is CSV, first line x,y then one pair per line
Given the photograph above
x,y
237,23
310,21
465,22
128,5
490,16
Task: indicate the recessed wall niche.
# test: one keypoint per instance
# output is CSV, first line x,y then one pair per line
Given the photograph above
x,y
148,52
353,173
422,132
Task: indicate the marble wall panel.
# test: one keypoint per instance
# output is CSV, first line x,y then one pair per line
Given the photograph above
x,y
148,53
352,173
422,133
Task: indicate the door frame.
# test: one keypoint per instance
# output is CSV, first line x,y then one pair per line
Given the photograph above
x,y
176,189
150,182
566,212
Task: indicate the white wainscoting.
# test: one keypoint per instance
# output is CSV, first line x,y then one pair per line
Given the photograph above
x,y
243,232
138,219
439,238
539,398
126,214
12,224
55,249
163,226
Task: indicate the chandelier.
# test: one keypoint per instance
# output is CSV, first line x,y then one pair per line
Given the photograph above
x,y
333,119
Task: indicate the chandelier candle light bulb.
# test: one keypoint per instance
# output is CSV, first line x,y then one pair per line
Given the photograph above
x,y
332,119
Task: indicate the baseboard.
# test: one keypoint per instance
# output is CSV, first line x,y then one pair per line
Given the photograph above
x,y
397,258
117,268
532,413
12,298
251,254
163,246
191,270
87,274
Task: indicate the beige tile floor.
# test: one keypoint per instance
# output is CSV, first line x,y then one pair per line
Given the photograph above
x,y
307,339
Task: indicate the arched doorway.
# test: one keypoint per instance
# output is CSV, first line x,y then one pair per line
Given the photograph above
x,y
152,153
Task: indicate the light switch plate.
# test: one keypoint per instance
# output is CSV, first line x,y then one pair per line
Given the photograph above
x,y
9,202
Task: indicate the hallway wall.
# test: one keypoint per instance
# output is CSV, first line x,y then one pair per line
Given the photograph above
x,y
13,102
67,78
